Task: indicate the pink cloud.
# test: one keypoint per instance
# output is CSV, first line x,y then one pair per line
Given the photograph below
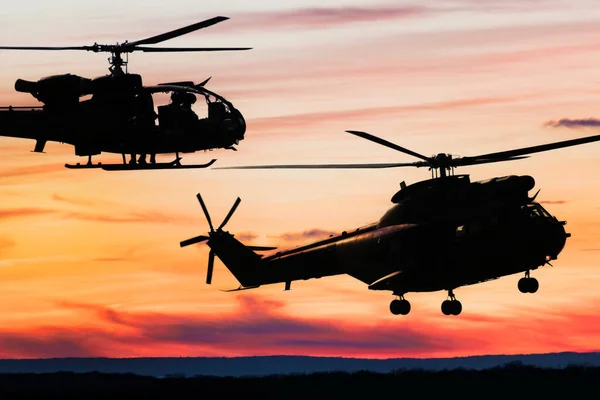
x,y
260,326
324,17
302,121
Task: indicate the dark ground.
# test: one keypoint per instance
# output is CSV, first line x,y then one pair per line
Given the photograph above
x,y
510,381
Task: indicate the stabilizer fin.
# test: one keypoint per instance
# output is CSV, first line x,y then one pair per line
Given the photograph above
x,y
240,288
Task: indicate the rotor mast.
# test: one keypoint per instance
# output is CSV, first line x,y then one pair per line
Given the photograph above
x,y
116,62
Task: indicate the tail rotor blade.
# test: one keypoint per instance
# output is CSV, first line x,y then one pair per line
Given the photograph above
x,y
235,205
211,264
193,240
205,211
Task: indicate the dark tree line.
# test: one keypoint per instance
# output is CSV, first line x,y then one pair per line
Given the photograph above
x,y
509,381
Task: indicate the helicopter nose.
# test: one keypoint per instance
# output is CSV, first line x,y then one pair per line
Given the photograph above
x,y
555,238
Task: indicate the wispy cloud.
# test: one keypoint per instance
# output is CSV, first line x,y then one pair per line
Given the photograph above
x,y
31,170
152,217
246,236
325,17
76,201
302,121
553,202
574,123
116,215
8,213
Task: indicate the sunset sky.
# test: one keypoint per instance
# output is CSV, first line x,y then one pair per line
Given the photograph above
x,y
90,263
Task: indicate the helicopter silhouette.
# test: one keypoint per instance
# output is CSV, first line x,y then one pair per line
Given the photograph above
x,y
119,117
440,234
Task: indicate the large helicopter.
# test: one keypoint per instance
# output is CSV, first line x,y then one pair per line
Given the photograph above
x,y
119,117
440,234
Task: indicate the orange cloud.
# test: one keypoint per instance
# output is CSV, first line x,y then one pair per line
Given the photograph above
x,y
31,170
130,217
23,212
6,244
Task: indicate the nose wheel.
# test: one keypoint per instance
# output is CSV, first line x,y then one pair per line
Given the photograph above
x,y
400,306
451,306
528,284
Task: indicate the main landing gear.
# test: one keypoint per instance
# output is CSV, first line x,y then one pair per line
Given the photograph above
x,y
528,284
400,306
451,306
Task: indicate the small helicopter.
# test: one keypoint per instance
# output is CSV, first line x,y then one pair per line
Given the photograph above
x,y
440,234
119,117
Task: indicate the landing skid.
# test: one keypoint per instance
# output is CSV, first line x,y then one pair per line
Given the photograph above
x,y
175,164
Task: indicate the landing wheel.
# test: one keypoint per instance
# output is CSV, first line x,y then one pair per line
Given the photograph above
x,y
456,307
528,285
447,307
451,306
534,285
400,307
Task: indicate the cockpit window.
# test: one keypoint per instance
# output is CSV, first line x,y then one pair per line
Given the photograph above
x,y
535,210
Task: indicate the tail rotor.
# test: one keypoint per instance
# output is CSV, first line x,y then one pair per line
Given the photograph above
x,y
211,235
211,264
205,212
235,205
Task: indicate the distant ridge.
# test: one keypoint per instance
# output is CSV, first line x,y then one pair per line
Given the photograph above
x,y
269,365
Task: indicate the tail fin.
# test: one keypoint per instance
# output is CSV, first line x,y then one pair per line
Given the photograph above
x,y
241,260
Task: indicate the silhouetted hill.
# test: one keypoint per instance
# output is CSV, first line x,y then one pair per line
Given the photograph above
x,y
268,365
510,381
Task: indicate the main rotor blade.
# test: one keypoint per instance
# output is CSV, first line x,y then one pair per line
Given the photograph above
x,y
177,32
391,145
205,211
537,149
329,166
193,240
46,48
235,205
187,49
461,162
211,264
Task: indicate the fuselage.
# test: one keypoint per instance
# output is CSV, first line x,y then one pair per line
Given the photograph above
x,y
404,252
121,119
